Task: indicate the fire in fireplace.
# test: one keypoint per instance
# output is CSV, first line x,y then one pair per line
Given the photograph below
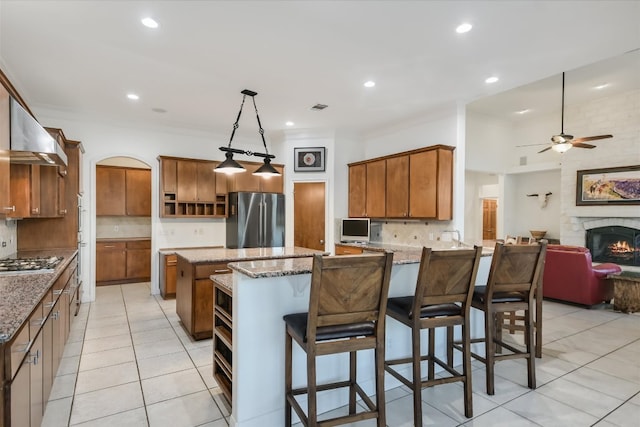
x,y
620,245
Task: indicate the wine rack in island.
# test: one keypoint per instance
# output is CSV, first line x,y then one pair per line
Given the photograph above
x,y
222,332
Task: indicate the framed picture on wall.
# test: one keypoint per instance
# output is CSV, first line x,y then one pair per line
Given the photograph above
x,y
611,186
309,159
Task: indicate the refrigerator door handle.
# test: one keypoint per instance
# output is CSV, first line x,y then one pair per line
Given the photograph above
x,y
261,238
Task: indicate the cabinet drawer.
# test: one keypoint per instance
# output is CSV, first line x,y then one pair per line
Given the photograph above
x,y
139,244
111,246
347,250
19,348
203,271
36,320
171,260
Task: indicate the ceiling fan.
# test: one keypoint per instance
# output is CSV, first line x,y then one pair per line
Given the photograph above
x,y
563,142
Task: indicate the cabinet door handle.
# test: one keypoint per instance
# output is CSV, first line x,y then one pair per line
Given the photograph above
x,y
35,210
63,211
109,246
10,208
24,349
226,270
39,321
57,292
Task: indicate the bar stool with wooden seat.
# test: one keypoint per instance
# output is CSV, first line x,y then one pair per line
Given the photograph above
x,y
347,306
442,299
513,279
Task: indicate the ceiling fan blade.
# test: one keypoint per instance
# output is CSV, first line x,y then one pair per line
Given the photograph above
x,y
546,149
581,145
591,138
531,145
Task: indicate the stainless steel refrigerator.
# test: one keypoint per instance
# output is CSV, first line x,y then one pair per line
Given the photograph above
x,y
256,220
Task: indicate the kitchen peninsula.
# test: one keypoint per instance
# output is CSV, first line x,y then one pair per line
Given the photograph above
x,y
262,292
194,290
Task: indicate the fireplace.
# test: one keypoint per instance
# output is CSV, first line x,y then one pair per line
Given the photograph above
x,y
620,245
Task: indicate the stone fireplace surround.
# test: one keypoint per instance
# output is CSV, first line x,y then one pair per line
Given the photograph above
x,y
580,225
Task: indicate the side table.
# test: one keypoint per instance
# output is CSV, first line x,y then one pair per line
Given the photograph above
x,y
626,291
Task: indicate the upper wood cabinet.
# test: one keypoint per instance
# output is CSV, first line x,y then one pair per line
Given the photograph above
x,y
6,207
367,188
417,184
247,181
191,188
35,191
138,192
397,179
357,190
123,191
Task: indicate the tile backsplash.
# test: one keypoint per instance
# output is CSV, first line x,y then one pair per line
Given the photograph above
x,y
410,233
8,238
122,227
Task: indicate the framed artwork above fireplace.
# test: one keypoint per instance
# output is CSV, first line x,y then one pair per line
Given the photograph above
x,y
610,186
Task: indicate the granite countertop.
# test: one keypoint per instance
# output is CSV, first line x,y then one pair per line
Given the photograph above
x,y
122,239
224,280
20,293
408,251
294,266
203,255
172,251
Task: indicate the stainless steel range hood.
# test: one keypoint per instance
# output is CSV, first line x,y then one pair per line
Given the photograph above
x,y
30,142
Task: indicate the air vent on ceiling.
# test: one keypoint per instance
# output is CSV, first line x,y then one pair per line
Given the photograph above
x,y
319,107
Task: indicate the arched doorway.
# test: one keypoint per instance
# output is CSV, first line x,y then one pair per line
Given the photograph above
x,y
123,221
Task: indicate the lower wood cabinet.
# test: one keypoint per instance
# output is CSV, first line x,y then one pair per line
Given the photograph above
x,y
348,250
168,269
123,261
194,296
32,357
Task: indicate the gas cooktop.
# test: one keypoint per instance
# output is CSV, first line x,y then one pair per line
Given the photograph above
x,y
29,265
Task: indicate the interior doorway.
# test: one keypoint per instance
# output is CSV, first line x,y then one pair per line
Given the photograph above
x,y
489,209
309,215
123,221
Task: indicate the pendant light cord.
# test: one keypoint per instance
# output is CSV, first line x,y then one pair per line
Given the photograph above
x,y
260,130
235,125
562,115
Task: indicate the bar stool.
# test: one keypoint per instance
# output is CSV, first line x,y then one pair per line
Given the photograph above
x,y
514,276
347,306
442,299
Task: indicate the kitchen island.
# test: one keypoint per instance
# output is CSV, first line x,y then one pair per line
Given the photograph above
x,y
194,290
262,292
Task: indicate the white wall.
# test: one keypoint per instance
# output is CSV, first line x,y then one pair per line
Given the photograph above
x,y
487,134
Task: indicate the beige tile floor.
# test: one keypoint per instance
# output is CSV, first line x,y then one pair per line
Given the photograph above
x,y
128,362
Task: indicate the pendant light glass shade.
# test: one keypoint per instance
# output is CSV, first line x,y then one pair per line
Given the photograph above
x,y
266,170
229,166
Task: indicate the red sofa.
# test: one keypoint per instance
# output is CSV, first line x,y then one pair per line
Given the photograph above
x,y
569,275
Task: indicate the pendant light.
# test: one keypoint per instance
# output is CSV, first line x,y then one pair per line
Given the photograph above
x,y
230,166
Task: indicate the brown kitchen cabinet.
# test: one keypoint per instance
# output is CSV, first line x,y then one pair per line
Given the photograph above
x,y
123,261
417,184
123,191
194,296
35,233
6,207
397,182
35,191
190,188
247,181
367,189
31,358
348,250
168,270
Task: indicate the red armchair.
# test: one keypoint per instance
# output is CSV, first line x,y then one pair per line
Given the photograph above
x,y
569,275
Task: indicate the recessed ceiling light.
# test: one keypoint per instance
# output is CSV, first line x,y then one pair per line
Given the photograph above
x,y
289,123
526,110
133,96
602,86
149,22
491,79
369,83
464,28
